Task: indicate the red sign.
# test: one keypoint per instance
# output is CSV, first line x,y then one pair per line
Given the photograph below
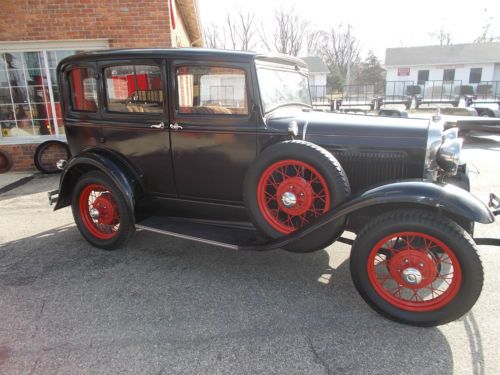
x,y
403,72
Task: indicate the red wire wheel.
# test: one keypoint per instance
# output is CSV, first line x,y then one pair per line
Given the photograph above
x,y
291,194
414,271
99,211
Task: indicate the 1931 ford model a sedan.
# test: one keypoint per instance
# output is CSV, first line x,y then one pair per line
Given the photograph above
x,y
223,147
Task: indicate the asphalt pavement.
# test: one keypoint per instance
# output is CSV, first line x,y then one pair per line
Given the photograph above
x,y
166,306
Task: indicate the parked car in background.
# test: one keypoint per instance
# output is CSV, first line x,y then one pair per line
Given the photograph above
x,y
224,148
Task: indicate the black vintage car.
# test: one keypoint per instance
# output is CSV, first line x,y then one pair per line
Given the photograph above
x,y
224,147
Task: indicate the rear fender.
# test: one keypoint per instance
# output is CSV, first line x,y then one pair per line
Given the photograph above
x,y
127,180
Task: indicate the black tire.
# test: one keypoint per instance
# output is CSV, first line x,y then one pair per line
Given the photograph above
x,y
464,288
327,167
126,226
5,161
42,148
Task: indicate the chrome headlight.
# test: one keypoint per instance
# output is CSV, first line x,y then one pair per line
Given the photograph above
x,y
449,154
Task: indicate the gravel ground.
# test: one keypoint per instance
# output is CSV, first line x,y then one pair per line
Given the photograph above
x,y
162,305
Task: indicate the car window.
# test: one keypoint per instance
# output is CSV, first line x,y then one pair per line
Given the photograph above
x,y
83,89
134,88
211,90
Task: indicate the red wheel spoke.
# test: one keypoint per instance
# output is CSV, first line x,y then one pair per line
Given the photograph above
x,y
297,180
97,200
414,261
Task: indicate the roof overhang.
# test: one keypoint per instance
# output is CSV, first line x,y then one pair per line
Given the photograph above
x,y
191,17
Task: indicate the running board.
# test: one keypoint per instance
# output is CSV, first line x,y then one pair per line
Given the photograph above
x,y
235,236
211,233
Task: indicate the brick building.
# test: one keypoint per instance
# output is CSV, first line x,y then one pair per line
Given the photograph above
x,y
36,35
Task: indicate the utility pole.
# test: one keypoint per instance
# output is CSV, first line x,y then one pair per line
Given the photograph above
x,y
349,46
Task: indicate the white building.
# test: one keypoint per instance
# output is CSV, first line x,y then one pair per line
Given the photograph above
x,y
469,64
318,71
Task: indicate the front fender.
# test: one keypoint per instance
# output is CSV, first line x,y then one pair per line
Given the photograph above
x,y
444,198
123,178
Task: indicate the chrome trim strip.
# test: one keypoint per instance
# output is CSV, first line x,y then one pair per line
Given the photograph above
x,y
434,140
187,237
304,130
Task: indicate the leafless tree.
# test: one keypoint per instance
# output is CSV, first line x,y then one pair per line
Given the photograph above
x,y
487,32
214,37
442,36
238,32
315,39
289,32
247,30
340,51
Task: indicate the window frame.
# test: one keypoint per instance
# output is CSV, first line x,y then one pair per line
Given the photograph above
x,y
175,65
480,75
125,116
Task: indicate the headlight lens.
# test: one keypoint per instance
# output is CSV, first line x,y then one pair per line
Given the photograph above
x,y
449,154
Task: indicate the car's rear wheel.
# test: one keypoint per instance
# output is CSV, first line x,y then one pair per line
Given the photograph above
x,y
416,267
289,186
100,211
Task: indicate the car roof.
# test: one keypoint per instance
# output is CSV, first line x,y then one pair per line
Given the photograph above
x,y
197,53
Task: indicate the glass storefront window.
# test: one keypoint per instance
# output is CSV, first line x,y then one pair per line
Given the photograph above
x,y
29,95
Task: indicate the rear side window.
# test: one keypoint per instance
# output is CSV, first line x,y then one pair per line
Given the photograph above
x,y
134,88
211,90
83,88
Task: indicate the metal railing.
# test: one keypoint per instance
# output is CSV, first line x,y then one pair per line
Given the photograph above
x,y
440,92
488,91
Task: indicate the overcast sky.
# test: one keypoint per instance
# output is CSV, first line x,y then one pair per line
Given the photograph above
x,y
378,24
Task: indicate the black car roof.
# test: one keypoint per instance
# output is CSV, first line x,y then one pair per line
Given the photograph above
x,y
200,53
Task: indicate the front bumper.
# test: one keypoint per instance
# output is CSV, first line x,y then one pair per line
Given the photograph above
x,y
494,204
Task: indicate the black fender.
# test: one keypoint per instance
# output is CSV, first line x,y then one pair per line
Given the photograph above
x,y
124,177
444,198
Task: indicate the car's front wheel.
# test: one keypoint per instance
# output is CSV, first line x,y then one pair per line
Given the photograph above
x,y
100,211
416,267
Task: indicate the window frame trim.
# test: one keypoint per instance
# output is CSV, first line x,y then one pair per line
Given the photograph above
x,y
106,114
201,116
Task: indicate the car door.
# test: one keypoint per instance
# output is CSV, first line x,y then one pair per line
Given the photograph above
x,y
213,129
134,117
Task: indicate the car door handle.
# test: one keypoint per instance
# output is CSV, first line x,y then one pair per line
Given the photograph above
x,y
161,125
175,126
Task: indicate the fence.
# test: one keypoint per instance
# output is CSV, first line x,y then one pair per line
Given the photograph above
x,y
405,92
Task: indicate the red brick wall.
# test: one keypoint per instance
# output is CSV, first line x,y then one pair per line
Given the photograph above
x,y
22,156
126,23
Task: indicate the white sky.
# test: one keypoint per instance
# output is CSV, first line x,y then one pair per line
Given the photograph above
x,y
378,24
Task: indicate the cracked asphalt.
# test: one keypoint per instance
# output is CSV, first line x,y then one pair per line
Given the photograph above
x,y
165,306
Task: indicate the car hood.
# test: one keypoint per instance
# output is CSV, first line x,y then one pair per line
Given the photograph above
x,y
313,124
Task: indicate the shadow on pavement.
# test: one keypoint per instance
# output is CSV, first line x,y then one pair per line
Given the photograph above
x,y
162,304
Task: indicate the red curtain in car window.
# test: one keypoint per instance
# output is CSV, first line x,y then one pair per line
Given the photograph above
x,y
77,81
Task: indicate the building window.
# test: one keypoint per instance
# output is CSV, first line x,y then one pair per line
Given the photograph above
x,y
83,87
134,88
29,95
448,75
212,90
423,76
475,75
